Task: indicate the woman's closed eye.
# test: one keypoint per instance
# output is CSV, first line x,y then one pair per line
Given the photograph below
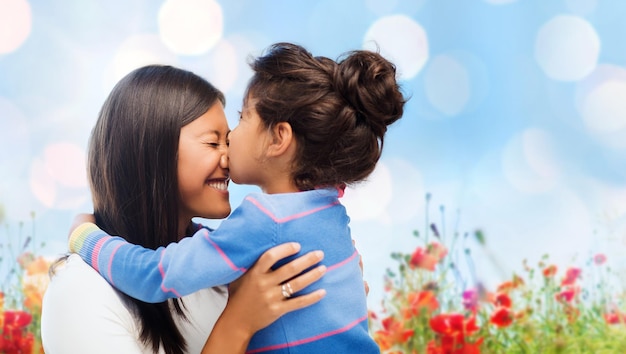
x,y
217,145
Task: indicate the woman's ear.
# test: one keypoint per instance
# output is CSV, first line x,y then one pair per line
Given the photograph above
x,y
282,140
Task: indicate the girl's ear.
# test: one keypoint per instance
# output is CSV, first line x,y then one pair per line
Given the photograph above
x,y
282,140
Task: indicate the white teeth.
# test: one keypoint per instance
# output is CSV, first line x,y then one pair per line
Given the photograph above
x,y
221,185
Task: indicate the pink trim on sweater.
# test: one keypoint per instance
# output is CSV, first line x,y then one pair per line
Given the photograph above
x,y
291,217
347,260
110,265
222,253
95,253
310,339
162,271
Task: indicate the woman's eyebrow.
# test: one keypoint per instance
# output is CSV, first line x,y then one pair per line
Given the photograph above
x,y
212,132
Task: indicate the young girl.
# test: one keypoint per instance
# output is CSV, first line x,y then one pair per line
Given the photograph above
x,y
309,126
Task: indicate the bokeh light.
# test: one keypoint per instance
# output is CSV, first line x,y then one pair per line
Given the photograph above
x,y
137,51
529,162
190,27
601,102
567,48
409,56
16,136
447,85
15,24
359,202
58,178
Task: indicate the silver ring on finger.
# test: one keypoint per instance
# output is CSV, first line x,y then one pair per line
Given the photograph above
x,y
286,290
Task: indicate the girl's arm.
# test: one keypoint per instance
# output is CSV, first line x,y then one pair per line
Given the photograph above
x,y
150,275
201,261
255,300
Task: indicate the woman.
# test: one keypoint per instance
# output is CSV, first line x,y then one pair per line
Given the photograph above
x,y
157,158
309,126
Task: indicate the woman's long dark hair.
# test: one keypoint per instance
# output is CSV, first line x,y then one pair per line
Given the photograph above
x,y
132,170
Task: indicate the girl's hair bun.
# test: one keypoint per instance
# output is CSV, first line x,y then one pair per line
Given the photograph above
x,y
367,81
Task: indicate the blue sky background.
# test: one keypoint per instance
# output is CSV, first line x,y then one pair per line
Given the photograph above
x,y
516,122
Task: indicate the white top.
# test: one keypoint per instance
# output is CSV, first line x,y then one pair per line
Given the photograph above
x,y
82,313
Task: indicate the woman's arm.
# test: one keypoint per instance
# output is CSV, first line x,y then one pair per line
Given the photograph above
x,y
256,300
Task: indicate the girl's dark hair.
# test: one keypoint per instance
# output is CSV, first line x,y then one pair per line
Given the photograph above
x,y
132,170
338,110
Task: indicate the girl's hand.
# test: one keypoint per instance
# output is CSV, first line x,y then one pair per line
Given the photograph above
x,y
81,219
256,299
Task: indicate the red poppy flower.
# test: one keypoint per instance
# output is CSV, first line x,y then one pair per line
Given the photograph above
x,y
429,257
18,319
420,301
452,330
502,317
393,333
14,338
502,299
507,286
437,250
549,271
615,317
421,259
462,348
453,324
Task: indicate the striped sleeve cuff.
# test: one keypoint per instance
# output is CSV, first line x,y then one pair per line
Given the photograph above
x,y
80,242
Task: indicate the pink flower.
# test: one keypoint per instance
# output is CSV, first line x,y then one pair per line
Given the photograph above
x,y
599,259
571,275
470,300
568,293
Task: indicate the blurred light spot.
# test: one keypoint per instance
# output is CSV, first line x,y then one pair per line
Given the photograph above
x,y
42,184
581,7
223,66
58,179
369,199
601,101
409,51
190,27
15,138
529,162
137,51
567,48
604,109
65,162
500,2
447,85
15,24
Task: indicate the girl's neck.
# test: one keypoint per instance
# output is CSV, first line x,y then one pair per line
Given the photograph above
x,y
280,185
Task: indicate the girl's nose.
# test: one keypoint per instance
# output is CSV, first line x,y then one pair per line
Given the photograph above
x,y
224,161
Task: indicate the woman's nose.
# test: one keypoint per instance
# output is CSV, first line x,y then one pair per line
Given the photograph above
x,y
224,161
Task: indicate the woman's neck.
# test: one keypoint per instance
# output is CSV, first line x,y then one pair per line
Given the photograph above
x,y
183,226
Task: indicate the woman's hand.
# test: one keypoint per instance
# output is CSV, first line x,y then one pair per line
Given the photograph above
x,y
256,299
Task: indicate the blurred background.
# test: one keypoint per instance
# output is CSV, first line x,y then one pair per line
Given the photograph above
x,y
516,123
